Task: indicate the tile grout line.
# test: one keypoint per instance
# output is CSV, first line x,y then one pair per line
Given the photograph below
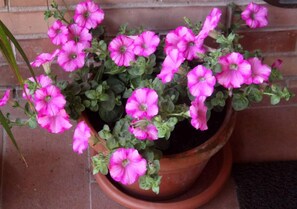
x,y
89,183
2,166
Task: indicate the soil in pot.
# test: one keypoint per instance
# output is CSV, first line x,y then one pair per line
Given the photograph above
x,y
189,135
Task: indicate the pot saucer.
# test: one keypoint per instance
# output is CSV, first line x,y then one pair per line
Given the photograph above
x,y
210,182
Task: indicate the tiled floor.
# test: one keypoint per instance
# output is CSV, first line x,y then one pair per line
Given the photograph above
x,y
58,178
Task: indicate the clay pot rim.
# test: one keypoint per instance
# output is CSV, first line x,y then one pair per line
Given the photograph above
x,y
196,201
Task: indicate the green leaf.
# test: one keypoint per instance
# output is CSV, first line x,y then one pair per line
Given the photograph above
x,y
165,127
85,86
255,95
138,67
153,167
112,69
127,93
21,51
111,116
108,103
111,143
74,88
116,85
94,103
47,14
217,68
275,75
148,155
32,122
239,102
104,97
167,106
6,127
274,99
8,54
105,133
91,94
158,86
171,122
156,184
152,60
87,103
121,131
150,182
136,71
95,108
145,182
100,164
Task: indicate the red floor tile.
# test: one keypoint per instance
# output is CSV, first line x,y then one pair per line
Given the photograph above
x,y
226,199
99,200
56,177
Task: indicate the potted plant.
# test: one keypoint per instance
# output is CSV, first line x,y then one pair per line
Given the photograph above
x,y
148,104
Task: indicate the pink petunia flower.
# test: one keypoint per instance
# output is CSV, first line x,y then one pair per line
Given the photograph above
x,y
277,64
146,43
26,93
144,129
194,46
49,100
72,56
255,16
88,14
235,70
260,72
170,65
198,112
42,80
121,50
5,98
143,103
201,81
58,33
184,40
80,35
57,123
210,23
126,165
45,58
178,39
81,136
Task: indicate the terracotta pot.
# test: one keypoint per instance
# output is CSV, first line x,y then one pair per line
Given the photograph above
x,y
207,186
180,171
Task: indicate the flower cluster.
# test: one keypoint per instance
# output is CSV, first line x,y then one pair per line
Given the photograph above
x,y
73,38
141,84
47,98
49,104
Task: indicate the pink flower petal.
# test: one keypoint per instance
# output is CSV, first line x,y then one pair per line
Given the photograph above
x,y
139,106
82,133
5,98
255,15
126,165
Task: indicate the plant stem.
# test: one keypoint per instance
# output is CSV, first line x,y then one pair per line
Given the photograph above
x,y
182,114
269,94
